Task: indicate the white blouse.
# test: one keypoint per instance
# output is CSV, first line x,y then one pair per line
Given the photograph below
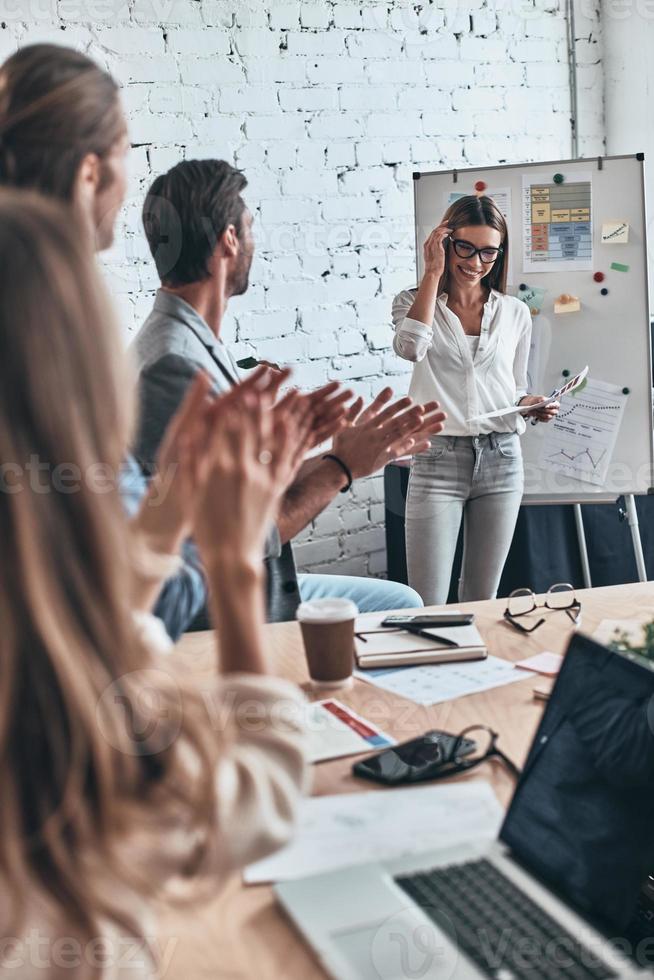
x,y
465,381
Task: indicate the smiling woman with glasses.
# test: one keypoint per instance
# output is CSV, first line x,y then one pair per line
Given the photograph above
x,y
470,344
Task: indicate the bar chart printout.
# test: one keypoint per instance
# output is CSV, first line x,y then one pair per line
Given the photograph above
x,y
581,439
557,224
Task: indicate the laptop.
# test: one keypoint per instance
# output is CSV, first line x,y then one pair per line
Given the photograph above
x,y
565,891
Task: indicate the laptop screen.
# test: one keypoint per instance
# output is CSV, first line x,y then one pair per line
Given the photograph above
x,y
582,816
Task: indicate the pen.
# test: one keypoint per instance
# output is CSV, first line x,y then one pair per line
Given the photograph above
x,y
416,631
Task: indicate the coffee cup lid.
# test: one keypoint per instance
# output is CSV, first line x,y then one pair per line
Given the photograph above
x,y
327,610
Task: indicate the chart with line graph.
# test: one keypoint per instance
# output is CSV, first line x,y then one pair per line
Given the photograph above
x,y
581,440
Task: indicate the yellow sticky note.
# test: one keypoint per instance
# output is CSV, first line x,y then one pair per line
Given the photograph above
x,y
567,304
615,233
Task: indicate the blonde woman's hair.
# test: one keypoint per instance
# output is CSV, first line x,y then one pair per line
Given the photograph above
x,y
95,742
56,106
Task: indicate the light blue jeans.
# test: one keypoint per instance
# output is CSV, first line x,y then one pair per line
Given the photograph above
x,y
479,479
370,594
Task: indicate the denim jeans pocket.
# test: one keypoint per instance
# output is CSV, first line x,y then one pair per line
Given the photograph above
x,y
508,444
437,449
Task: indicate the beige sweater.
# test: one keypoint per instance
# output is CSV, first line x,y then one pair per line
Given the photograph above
x,y
260,780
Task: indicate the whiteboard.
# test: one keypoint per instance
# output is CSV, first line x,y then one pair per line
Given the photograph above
x,y
576,461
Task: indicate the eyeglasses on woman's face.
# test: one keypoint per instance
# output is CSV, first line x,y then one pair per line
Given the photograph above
x,y
561,597
466,250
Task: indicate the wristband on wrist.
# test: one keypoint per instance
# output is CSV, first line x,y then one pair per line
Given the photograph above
x,y
344,467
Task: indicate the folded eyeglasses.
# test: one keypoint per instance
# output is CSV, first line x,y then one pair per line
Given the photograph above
x,y
560,597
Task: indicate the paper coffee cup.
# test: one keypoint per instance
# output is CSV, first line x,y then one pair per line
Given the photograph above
x,y
328,632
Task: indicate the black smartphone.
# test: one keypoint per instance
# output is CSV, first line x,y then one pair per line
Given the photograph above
x,y
411,762
430,619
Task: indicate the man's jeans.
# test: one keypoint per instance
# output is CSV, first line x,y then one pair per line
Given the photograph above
x,y
370,594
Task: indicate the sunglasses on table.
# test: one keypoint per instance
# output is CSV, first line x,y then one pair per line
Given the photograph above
x,y
560,597
466,250
458,757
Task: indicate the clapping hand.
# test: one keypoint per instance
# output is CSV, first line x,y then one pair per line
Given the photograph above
x,y
251,459
382,432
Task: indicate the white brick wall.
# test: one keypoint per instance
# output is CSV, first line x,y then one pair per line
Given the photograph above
x,y
328,105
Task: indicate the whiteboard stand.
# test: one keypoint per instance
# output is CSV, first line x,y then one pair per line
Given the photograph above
x,y
632,520
583,549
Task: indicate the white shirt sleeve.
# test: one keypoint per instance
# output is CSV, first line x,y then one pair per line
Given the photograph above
x,y
412,338
521,359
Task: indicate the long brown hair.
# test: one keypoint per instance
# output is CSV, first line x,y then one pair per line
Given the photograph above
x,y
82,764
56,107
473,210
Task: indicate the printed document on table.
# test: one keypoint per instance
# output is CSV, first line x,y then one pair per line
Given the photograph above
x,y
354,828
580,441
557,223
335,730
435,683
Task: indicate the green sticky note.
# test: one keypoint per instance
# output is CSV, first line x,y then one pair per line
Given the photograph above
x,y
619,267
533,296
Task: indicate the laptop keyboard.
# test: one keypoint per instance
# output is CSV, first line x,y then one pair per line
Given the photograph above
x,y
492,921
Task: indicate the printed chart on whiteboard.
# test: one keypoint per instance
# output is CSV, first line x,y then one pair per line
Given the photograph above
x,y
557,224
581,439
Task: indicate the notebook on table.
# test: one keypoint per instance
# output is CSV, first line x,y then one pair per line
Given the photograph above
x,y
399,648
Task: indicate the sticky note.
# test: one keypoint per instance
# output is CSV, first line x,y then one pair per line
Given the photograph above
x,y
615,233
542,663
567,304
619,267
533,296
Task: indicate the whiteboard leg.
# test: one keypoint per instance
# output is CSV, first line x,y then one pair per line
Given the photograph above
x,y
632,519
583,550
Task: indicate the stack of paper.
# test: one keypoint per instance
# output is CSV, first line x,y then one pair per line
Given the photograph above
x,y
353,828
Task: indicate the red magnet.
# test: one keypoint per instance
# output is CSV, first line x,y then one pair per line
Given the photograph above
x,y
598,277
481,186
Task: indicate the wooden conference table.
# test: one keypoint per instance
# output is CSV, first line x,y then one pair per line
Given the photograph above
x,y
242,934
